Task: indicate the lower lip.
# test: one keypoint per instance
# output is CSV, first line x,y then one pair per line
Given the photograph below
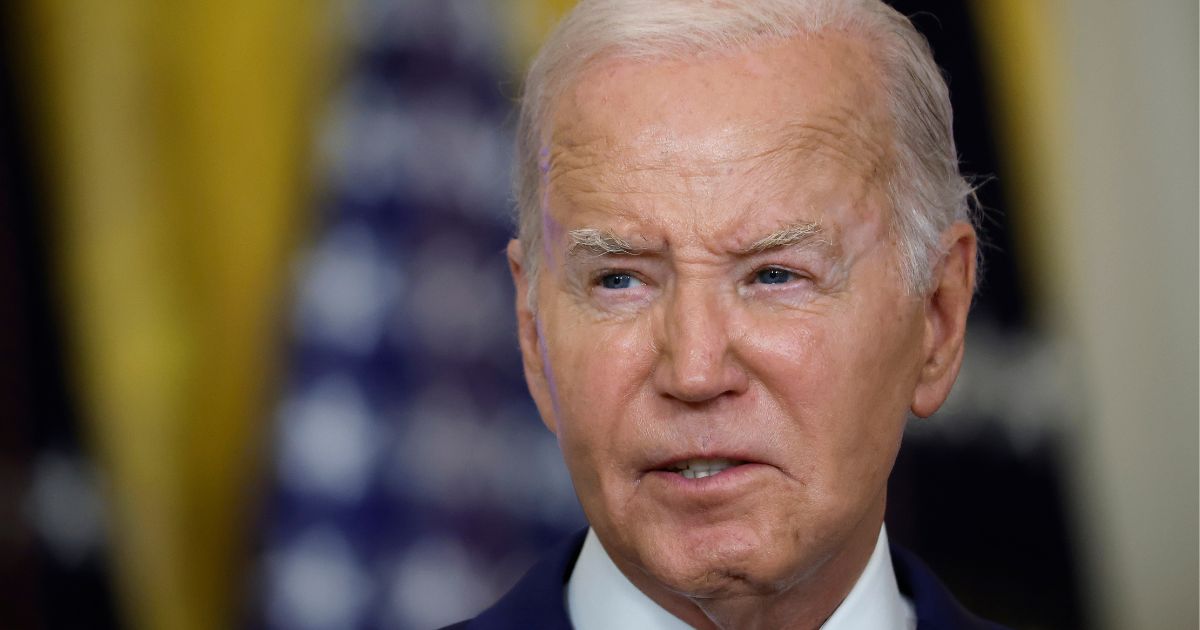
x,y
734,479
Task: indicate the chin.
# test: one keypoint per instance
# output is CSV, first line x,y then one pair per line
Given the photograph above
x,y
718,561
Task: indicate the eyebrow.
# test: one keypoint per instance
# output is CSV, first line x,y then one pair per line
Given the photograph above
x,y
601,243
598,242
810,234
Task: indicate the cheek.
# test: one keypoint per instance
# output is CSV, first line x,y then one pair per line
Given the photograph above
x,y
794,355
840,378
598,368
870,391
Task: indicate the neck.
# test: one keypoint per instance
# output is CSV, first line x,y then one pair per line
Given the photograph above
x,y
805,603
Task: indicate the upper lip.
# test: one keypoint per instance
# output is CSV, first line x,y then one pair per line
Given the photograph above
x,y
672,461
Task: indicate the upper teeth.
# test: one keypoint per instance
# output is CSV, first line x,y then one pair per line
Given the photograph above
x,y
700,468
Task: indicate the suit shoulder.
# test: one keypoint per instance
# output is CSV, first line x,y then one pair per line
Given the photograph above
x,y
538,600
936,607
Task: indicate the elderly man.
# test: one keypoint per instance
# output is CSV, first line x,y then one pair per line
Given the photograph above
x,y
745,257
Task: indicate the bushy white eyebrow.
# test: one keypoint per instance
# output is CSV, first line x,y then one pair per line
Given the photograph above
x,y
604,243
800,233
600,243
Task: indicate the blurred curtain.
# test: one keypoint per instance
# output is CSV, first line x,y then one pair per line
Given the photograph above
x,y
175,137
1097,111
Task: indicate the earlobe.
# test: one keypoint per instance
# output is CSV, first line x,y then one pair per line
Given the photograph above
x,y
529,335
946,307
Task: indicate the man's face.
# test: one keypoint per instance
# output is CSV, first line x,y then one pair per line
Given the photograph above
x,y
721,293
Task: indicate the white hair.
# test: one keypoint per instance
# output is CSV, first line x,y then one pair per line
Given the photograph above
x,y
927,191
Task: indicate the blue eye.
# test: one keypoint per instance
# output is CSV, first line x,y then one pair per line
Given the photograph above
x,y
774,275
619,281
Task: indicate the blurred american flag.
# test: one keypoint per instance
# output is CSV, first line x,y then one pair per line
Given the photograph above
x,y
412,482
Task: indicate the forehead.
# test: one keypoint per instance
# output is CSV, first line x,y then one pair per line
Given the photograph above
x,y
816,96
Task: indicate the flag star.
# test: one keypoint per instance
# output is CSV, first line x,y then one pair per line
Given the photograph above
x,y
317,583
347,291
436,583
328,440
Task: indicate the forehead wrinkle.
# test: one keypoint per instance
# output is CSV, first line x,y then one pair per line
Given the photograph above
x,y
591,168
857,147
617,172
600,168
856,135
565,160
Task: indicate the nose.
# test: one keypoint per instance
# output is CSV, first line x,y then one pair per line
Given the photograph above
x,y
697,362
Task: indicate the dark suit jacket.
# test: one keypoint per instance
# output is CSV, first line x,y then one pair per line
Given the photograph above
x,y
538,601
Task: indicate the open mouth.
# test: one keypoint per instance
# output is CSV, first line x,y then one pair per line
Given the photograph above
x,y
698,468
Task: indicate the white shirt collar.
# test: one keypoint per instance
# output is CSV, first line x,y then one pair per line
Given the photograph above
x,y
599,596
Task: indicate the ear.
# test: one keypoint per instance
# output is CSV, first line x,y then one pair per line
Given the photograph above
x,y
946,307
529,333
